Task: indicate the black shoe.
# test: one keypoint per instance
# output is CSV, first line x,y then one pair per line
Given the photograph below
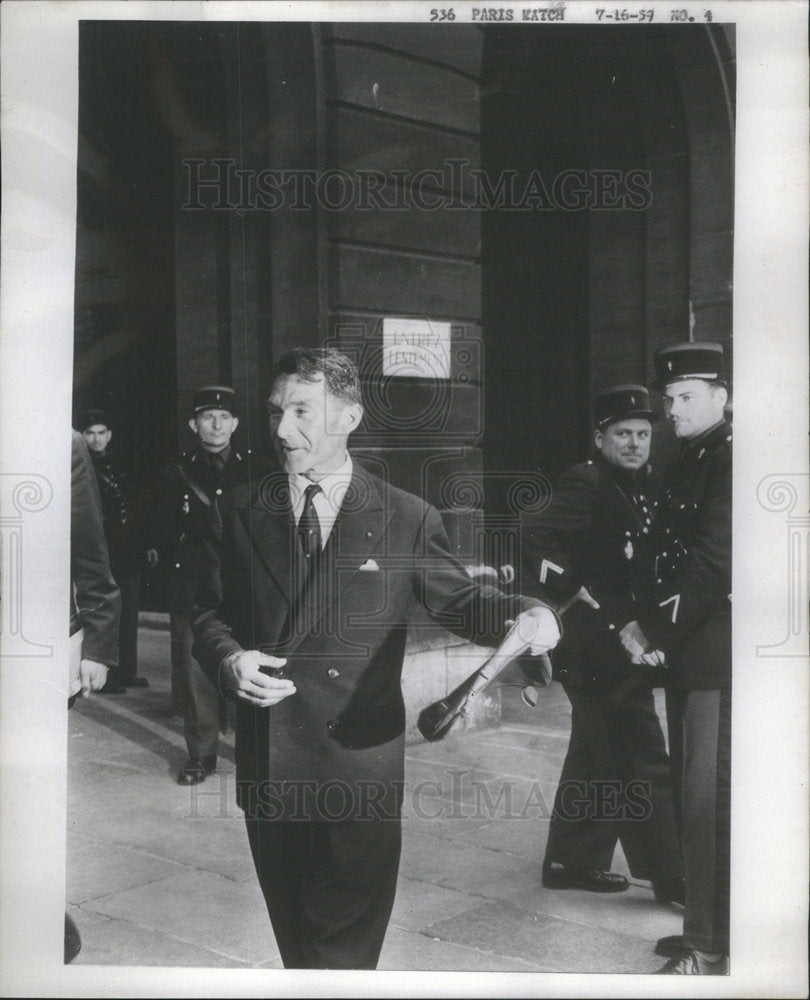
x,y
137,682
195,770
670,946
672,890
112,686
592,879
693,963
73,941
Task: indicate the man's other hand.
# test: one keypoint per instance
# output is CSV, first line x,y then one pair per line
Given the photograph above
x,y
242,673
635,643
92,676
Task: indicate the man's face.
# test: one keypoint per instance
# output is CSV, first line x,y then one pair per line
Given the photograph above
x,y
693,406
625,444
97,437
310,426
214,428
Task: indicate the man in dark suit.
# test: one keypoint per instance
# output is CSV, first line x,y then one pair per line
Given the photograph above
x,y
191,486
688,626
589,546
303,616
125,532
95,604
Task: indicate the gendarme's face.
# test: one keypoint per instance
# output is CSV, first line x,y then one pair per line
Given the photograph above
x,y
214,428
97,437
310,426
693,406
625,444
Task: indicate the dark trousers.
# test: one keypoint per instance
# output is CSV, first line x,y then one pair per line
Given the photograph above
x,y
203,709
130,586
615,785
699,725
329,888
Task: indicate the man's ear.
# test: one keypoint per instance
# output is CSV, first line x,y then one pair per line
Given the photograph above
x,y
721,394
351,416
235,421
597,439
192,422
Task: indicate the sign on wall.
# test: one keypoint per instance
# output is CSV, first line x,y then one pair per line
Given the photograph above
x,y
416,348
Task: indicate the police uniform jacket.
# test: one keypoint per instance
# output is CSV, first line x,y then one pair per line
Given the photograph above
x,y
690,618
191,488
594,534
342,732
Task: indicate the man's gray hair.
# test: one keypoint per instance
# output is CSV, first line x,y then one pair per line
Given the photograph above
x,y
309,363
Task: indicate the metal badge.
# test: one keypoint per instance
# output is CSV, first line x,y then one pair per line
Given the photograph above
x,y
628,549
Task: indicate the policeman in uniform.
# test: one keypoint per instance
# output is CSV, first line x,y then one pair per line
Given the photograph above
x,y
124,532
585,553
688,625
194,483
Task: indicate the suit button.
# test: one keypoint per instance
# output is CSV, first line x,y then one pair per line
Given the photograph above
x,y
332,724
333,673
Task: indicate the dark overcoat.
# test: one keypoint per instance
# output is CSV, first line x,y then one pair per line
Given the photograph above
x,y
594,533
690,617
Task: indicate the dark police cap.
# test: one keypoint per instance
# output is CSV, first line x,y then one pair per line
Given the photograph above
x,y
700,359
92,417
622,402
215,397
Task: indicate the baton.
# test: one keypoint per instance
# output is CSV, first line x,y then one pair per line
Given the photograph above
x,y
436,720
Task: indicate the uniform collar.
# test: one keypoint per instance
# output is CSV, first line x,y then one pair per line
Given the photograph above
x,y
694,444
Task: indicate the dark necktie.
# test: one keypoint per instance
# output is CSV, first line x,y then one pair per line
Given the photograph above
x,y
309,527
216,463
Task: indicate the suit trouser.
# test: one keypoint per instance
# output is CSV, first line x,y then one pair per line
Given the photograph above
x,y
699,724
201,699
615,785
329,888
130,586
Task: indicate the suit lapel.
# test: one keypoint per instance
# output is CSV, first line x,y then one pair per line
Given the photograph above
x,y
268,521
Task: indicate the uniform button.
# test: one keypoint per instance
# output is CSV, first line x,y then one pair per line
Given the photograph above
x,y
659,580
332,672
177,565
612,627
332,724
185,496
219,493
646,531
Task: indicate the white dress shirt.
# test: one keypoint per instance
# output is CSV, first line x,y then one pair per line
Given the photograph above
x,y
327,501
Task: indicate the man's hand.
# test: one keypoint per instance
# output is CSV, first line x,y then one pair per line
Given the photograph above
x,y
655,658
92,676
539,629
240,672
584,595
635,643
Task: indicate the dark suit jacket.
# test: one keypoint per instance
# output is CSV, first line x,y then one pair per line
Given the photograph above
x,y
337,743
97,602
690,619
594,534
